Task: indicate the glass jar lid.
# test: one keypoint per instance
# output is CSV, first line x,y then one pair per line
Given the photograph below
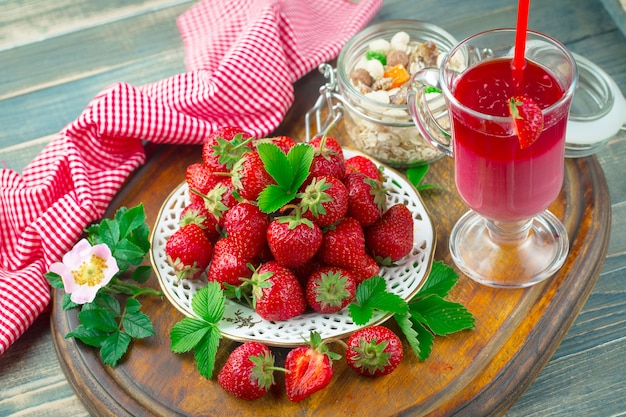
x,y
597,113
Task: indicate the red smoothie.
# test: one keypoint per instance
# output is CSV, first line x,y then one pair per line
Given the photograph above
x,y
495,177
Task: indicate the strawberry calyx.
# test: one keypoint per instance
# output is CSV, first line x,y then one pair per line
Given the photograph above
x,y
262,371
294,219
213,200
370,356
332,289
229,152
316,343
314,196
527,119
379,192
323,150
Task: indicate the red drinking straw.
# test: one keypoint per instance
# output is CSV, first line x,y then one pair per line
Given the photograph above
x,y
520,35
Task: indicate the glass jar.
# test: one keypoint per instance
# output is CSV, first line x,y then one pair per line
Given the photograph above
x,y
384,129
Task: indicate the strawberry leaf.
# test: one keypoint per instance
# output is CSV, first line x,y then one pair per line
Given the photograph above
x,y
273,198
289,171
187,333
276,164
300,158
209,303
202,335
440,281
416,174
206,350
404,321
442,317
372,295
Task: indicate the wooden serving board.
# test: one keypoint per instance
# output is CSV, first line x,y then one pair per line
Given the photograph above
x,y
471,373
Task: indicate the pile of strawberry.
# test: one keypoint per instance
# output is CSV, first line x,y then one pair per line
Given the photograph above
x,y
286,226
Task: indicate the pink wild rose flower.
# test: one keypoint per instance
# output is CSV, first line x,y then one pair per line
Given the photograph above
x,y
85,269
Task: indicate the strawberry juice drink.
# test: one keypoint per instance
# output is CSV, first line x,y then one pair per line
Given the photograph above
x,y
494,175
507,121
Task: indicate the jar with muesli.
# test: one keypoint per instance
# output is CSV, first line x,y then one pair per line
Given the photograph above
x,y
373,76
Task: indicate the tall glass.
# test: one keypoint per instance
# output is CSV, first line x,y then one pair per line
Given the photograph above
x,y
508,238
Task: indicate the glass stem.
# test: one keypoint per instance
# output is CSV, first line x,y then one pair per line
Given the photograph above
x,y
509,232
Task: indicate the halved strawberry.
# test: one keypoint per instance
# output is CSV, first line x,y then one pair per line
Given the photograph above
x,y
527,119
309,368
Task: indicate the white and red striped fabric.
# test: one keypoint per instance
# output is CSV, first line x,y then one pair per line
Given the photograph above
x,y
242,56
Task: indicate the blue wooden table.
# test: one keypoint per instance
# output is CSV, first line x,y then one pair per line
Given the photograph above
x,y
55,56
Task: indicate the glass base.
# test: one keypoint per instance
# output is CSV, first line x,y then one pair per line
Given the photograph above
x,y
509,255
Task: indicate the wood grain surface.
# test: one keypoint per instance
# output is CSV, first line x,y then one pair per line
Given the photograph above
x,y
478,372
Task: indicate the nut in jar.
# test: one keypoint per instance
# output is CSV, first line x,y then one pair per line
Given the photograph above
x,y
370,84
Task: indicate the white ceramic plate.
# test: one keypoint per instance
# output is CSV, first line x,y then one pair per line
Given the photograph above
x,y
241,323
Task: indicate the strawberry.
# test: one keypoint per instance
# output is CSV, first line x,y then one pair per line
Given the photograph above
x,y
228,266
188,251
200,179
366,198
246,226
324,201
250,177
224,147
365,166
196,212
304,271
248,372
343,245
527,119
390,238
330,289
328,158
218,199
285,143
374,351
293,239
277,294
309,368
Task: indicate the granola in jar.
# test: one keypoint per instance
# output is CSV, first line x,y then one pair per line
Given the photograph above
x,y
374,72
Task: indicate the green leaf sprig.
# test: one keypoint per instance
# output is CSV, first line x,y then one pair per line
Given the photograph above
x,y
422,318
202,335
416,175
107,323
289,171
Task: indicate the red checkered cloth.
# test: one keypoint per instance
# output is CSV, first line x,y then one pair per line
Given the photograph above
x,y
242,59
